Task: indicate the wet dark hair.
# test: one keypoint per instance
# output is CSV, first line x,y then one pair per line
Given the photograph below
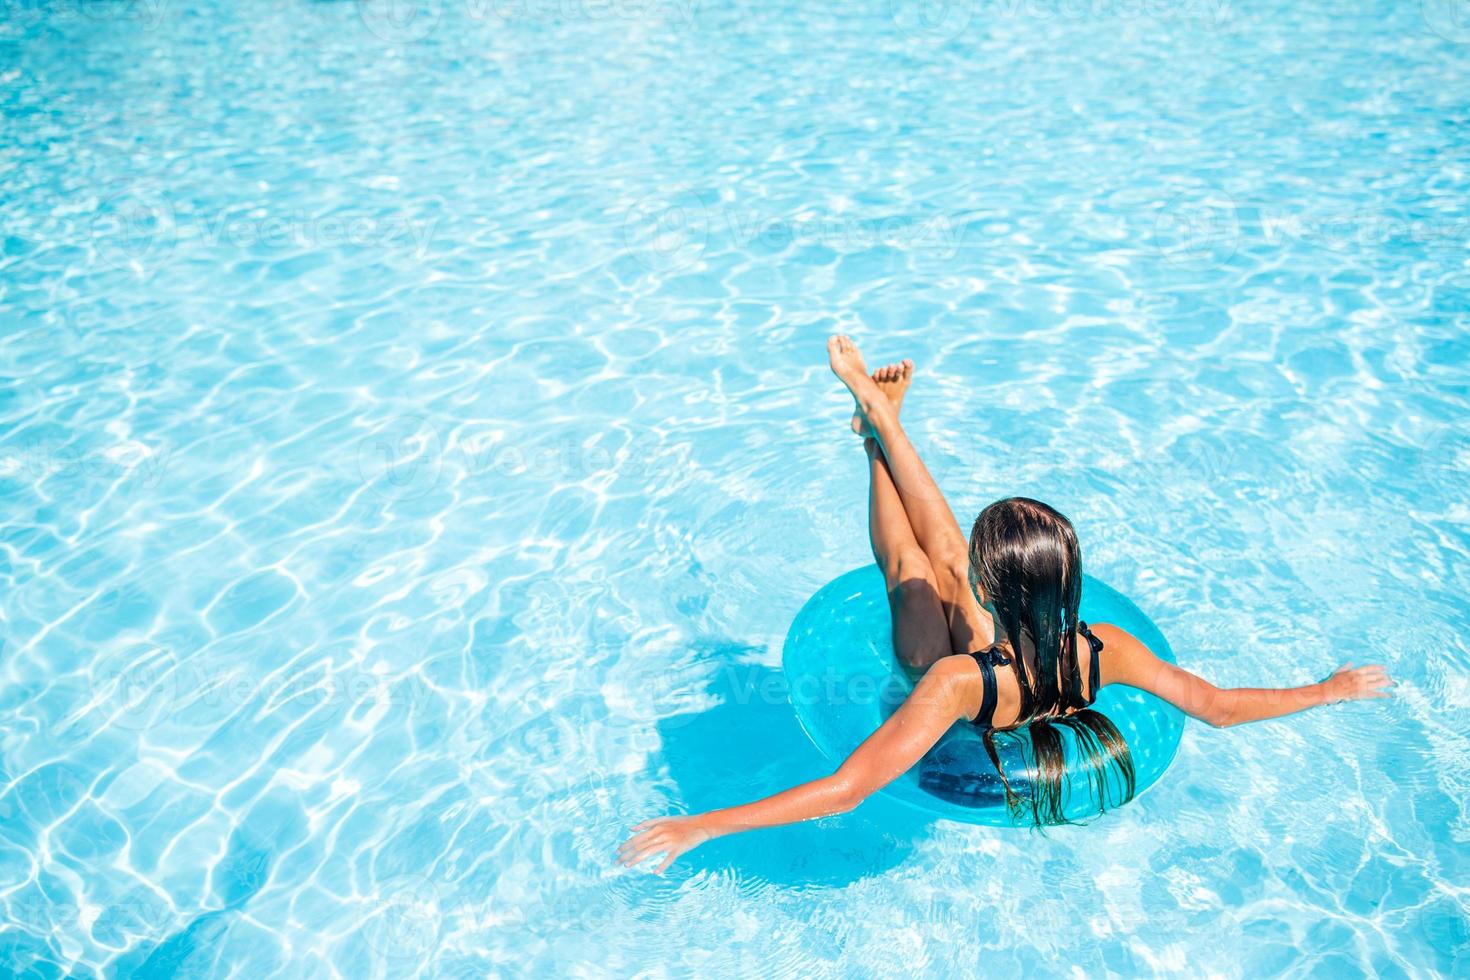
x,y
1025,559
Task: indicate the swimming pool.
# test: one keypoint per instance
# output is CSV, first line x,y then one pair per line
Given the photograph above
x,y
415,441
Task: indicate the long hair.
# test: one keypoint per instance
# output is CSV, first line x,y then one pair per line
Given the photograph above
x,y
1025,558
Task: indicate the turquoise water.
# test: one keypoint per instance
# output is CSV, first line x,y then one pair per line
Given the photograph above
x,y
415,443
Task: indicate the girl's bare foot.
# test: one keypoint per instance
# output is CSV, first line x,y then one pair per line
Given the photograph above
x,y
893,380
846,361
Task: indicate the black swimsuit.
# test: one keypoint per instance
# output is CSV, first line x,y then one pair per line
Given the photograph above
x,y
994,657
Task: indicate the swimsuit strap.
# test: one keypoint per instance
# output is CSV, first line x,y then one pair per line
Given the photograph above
x,y
1094,672
987,660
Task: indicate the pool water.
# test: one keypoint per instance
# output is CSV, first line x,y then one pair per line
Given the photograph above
x,y
415,442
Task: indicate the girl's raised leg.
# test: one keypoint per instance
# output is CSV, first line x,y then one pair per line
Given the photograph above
x,y
920,626
932,522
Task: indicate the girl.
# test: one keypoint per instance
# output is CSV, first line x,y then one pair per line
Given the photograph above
x,y
991,625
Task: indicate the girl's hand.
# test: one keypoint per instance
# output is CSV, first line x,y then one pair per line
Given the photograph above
x,y
1349,683
670,836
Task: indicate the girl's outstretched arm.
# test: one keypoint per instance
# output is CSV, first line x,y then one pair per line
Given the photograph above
x,y
1125,660
937,702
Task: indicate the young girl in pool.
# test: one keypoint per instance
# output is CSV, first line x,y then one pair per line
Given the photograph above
x,y
991,625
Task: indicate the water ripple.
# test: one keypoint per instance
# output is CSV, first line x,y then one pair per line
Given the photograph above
x,y
408,485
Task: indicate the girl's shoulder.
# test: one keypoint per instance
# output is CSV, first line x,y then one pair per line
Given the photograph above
x,y
1116,638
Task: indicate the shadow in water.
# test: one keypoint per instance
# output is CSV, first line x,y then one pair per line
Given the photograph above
x,y
751,746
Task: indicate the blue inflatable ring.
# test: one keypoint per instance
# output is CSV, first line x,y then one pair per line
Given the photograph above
x,y
844,681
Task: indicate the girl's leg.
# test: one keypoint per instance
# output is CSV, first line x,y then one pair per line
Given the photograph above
x,y
938,534
920,627
931,521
